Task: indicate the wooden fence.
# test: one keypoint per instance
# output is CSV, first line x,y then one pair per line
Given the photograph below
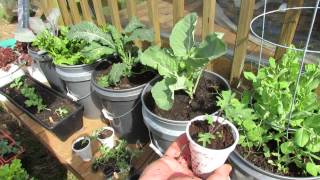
x,y
72,15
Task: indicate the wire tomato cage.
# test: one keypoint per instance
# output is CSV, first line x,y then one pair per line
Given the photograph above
x,y
305,50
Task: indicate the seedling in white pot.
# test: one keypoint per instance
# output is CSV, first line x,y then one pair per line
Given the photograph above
x,y
82,147
211,140
106,137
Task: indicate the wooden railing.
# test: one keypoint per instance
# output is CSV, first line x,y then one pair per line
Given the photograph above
x,y
71,15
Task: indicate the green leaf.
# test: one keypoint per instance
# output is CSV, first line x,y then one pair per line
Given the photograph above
x,y
287,147
162,95
158,59
312,168
313,122
250,76
88,31
248,124
301,137
142,35
133,25
95,51
116,72
314,146
182,35
212,47
272,63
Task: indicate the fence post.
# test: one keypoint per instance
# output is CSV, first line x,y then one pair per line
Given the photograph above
x,y
115,17
178,10
153,12
53,4
74,11
240,50
289,27
209,11
86,12
98,11
132,8
64,12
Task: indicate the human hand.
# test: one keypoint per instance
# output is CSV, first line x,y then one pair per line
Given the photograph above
x,y
176,165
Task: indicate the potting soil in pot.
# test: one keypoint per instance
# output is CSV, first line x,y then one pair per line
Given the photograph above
x,y
81,144
182,110
105,134
223,137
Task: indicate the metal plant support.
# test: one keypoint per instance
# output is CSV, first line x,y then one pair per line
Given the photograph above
x,y
305,50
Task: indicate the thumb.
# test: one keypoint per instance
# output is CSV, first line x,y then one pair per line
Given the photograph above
x,y
222,173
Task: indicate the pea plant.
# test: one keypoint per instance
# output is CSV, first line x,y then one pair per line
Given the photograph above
x,y
108,41
182,64
265,119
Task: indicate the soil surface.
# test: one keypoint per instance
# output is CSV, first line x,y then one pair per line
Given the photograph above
x,y
105,134
140,76
81,144
256,157
52,101
222,133
204,102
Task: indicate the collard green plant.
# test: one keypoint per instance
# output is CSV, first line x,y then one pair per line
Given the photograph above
x,y
108,41
62,50
14,171
181,66
265,119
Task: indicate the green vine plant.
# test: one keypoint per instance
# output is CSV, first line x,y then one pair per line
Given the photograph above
x,y
62,50
108,41
265,119
182,64
32,98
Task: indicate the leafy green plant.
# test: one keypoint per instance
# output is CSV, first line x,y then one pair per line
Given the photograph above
x,y
14,171
265,119
181,66
6,148
63,51
33,99
17,83
206,137
62,112
108,41
119,157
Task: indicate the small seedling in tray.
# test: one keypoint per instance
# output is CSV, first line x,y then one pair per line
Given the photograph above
x,y
62,112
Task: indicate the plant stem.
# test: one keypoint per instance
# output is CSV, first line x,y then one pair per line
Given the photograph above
x,y
197,82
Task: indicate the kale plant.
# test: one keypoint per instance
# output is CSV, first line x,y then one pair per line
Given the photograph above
x,y
264,120
14,171
108,41
182,64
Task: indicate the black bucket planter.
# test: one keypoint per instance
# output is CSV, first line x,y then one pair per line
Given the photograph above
x,y
77,79
243,170
164,131
44,62
67,125
123,109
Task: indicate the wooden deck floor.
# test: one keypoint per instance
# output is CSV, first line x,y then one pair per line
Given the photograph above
x,y
62,149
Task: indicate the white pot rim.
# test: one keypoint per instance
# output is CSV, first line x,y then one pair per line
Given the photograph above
x,y
79,139
108,128
202,118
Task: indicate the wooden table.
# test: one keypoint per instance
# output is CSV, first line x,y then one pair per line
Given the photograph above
x,y
62,149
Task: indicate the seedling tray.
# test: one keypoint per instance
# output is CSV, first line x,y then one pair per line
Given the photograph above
x,y
63,127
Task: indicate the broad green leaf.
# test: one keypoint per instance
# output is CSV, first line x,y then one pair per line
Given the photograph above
x,y
141,34
301,137
212,47
95,51
116,72
312,168
182,35
176,83
287,147
313,121
250,76
248,124
314,146
283,84
272,63
158,59
133,25
162,95
88,31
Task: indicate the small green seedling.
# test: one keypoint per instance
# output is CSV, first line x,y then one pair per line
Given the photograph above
x,y
205,138
62,112
18,82
33,99
5,148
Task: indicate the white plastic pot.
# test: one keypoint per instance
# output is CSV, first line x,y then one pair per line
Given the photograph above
x,y
86,152
204,160
108,141
7,77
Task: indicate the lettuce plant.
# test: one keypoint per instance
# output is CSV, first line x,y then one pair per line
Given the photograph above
x,y
182,64
264,121
108,41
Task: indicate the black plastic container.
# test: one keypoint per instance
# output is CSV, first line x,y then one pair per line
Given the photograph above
x,y
67,125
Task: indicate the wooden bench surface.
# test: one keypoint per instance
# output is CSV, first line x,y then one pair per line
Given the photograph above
x,y
62,149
